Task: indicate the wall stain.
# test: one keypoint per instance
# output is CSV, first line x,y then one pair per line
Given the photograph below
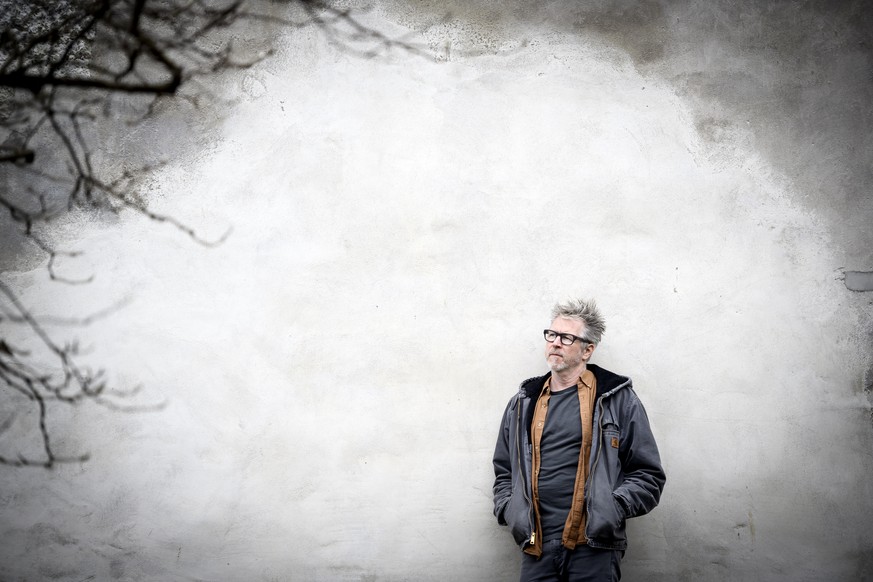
x,y
748,526
858,280
639,28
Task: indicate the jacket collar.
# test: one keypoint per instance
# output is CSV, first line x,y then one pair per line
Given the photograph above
x,y
606,382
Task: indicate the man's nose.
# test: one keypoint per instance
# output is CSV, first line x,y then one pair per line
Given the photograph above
x,y
556,341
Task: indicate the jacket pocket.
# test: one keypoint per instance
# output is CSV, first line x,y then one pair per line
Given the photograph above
x,y
517,517
606,519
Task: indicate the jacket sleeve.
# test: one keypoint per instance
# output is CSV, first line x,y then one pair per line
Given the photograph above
x,y
644,477
502,468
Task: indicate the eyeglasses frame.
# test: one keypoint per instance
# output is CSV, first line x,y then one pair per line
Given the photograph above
x,y
563,335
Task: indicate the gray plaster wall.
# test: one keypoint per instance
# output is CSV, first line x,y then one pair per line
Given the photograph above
x,y
334,373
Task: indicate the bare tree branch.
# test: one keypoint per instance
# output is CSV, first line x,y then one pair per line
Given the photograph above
x,y
64,67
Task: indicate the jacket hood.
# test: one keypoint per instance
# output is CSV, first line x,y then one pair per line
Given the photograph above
x,y
606,382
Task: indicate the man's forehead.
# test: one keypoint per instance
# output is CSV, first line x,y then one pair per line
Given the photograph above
x,y
569,325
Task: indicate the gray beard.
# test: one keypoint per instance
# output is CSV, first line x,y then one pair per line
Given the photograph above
x,y
560,366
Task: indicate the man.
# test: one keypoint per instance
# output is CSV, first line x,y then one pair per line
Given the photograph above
x,y
575,458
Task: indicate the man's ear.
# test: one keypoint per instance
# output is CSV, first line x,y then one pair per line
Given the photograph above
x,y
588,351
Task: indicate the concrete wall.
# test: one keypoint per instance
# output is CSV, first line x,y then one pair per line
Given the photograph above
x,y
335,372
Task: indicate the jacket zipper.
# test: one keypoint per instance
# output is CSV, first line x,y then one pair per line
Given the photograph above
x,y
599,448
521,458
599,445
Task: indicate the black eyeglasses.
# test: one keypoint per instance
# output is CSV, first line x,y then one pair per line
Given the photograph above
x,y
567,339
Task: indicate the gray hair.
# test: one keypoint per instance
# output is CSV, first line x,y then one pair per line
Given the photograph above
x,y
587,313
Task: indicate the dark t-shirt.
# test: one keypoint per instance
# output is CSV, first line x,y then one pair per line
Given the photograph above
x,y
559,460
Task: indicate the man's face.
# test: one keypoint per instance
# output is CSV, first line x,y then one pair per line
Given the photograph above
x,y
561,357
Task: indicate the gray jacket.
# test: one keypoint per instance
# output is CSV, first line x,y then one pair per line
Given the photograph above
x,y
625,475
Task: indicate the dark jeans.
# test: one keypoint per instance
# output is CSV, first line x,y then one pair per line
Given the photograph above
x,y
583,564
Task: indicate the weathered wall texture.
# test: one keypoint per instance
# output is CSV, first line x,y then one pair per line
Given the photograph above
x,y
335,372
